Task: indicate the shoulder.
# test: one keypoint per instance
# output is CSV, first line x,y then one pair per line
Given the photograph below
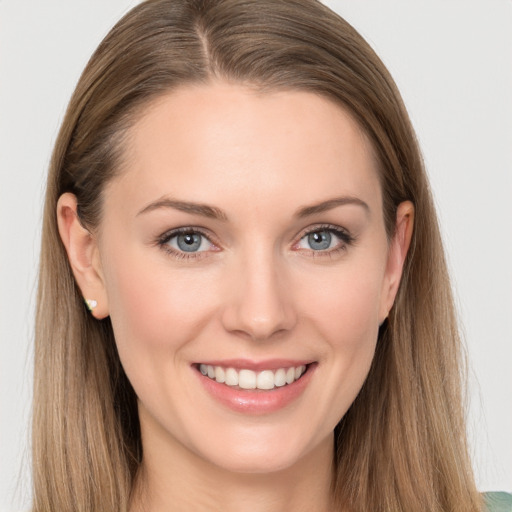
x,y
497,502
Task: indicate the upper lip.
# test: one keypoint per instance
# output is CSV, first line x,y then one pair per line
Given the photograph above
x,y
247,364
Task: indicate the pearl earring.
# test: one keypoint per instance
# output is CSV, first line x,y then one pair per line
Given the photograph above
x,y
91,304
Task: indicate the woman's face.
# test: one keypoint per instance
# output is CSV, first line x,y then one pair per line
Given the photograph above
x,y
244,239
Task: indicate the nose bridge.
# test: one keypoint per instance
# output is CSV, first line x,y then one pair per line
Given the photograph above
x,y
260,303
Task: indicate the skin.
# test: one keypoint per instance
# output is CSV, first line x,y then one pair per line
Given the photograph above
x,y
256,290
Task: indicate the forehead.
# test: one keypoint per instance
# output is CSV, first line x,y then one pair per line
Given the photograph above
x,y
201,140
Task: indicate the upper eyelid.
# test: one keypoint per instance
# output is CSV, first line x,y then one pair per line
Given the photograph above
x,y
167,235
325,227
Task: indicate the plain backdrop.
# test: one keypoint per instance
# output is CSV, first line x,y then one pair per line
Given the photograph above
x,y
452,60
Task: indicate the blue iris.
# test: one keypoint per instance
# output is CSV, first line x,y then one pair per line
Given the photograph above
x,y
189,242
320,240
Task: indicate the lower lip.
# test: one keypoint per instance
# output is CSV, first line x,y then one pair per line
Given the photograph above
x,y
256,401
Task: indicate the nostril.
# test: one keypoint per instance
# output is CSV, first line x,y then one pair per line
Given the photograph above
x,y
258,305
240,320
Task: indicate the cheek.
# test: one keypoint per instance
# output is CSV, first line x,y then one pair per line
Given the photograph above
x,y
346,309
153,311
346,315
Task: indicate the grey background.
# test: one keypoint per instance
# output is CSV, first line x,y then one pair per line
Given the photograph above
x,y
452,60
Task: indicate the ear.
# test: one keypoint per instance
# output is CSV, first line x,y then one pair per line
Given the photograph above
x,y
398,249
83,255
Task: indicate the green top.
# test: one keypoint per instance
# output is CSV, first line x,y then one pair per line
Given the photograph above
x,y
497,502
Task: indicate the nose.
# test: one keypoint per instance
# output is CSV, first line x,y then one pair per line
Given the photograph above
x,y
259,302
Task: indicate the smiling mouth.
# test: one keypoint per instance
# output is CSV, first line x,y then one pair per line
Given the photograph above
x,y
249,379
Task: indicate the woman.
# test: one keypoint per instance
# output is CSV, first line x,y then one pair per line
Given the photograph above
x,y
237,195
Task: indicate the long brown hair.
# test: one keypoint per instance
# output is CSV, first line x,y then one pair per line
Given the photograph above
x,y
402,444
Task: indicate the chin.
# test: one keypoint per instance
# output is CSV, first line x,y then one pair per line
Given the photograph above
x,y
262,455
258,465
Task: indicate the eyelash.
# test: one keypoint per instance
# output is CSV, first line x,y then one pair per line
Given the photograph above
x,y
346,240
344,236
163,242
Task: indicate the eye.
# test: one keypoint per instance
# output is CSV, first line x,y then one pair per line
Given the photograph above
x,y
325,239
189,242
185,242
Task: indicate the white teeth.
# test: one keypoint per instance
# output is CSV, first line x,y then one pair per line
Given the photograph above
x,y
265,380
280,377
249,379
220,374
298,371
231,377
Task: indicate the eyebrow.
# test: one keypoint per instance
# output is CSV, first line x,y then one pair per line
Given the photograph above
x,y
213,212
185,206
306,211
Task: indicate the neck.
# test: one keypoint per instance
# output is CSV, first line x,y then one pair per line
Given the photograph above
x,y
190,483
